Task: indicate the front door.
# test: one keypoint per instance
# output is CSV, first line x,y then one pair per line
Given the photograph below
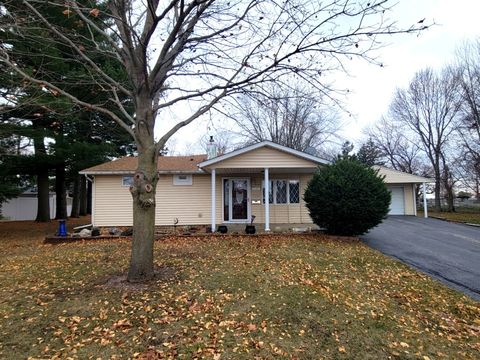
x,y
236,200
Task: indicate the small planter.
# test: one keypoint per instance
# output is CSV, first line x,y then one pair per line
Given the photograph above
x,y
222,229
250,229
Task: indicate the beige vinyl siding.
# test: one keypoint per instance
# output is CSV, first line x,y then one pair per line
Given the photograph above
x,y
281,213
265,157
113,202
409,201
190,204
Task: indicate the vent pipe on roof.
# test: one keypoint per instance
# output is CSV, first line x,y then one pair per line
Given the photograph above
x,y
211,149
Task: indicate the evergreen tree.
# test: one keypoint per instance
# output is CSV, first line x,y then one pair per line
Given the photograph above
x,y
39,112
369,154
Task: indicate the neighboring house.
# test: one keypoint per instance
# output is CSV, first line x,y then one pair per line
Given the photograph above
x,y
24,207
228,189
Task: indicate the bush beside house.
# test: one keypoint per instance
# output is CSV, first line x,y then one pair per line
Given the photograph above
x,y
347,198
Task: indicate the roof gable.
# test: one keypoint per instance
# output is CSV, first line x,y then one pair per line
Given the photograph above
x,y
264,154
398,177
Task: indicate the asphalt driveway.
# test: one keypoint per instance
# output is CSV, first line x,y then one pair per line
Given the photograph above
x,y
446,251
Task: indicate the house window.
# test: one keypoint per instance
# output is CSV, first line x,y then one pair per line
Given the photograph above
x,y
294,191
182,180
282,192
127,180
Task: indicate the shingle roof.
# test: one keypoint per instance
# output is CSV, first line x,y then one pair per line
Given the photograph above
x,y
165,164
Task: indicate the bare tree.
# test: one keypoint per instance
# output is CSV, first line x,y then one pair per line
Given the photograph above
x,y
468,169
468,67
288,116
187,51
429,108
398,151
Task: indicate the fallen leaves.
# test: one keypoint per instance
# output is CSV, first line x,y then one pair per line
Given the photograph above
x,y
237,297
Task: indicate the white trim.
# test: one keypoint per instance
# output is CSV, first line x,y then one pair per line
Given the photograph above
x,y
214,207
249,196
259,145
177,181
132,172
425,207
105,172
94,190
414,191
266,200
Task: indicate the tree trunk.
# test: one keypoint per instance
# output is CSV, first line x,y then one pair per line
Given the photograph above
x,y
43,186
477,189
438,179
83,196
61,192
450,200
76,197
43,196
89,197
448,183
143,192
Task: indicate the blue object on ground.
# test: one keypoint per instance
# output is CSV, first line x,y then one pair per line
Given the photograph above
x,y
62,227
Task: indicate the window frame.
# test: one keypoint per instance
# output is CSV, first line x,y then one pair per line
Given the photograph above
x,y
297,181
127,177
274,191
188,181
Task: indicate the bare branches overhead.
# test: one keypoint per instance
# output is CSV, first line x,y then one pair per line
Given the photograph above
x,y
179,51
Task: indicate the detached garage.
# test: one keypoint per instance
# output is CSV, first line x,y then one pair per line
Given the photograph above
x,y
402,186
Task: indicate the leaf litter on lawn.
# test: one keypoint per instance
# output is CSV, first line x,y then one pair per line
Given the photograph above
x,y
291,296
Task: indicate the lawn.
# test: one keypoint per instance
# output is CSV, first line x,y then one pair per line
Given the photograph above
x,y
294,296
467,215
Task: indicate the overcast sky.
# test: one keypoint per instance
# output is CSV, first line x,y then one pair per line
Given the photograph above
x,y
371,87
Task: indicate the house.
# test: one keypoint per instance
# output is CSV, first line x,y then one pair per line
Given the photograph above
x,y
24,207
228,189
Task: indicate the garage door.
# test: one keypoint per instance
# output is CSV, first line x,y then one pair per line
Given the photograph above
x,y
397,206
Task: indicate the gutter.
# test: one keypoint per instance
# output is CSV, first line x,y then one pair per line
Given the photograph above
x,y
132,172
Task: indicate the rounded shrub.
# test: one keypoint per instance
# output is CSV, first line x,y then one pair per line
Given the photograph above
x,y
347,198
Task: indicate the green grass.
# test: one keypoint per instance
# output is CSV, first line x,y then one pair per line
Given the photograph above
x,y
236,297
466,215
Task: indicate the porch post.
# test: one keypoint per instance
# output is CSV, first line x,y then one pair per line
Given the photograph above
x,y
266,201
414,191
425,208
214,215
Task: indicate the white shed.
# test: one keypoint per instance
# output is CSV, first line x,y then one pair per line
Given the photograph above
x,y
24,207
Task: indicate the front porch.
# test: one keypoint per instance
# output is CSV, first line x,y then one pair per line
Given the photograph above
x,y
270,199
263,183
